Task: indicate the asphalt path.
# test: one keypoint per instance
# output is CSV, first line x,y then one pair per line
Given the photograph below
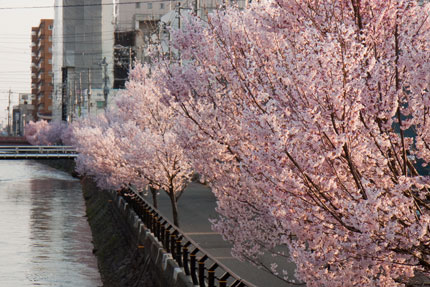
x,y
195,208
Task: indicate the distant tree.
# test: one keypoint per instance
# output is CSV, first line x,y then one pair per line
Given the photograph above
x,y
133,143
44,133
101,152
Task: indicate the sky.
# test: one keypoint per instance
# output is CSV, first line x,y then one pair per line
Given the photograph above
x,y
15,46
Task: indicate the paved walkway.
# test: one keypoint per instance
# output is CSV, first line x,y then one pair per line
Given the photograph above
x,y
196,206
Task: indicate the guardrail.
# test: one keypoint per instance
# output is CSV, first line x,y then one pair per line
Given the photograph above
x,y
203,269
30,152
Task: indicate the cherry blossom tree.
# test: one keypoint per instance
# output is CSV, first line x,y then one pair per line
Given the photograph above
x,y
134,144
101,152
155,153
44,133
297,114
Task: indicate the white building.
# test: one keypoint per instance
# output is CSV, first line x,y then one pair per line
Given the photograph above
x,y
83,44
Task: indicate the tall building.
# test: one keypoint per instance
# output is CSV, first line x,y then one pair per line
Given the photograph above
x,y
41,69
83,62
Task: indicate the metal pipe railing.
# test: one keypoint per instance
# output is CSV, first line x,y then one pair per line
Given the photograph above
x,y
195,261
35,152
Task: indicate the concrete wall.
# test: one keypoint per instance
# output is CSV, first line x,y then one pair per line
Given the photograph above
x,y
167,272
127,253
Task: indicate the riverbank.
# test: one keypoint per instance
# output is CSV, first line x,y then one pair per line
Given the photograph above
x,y
121,261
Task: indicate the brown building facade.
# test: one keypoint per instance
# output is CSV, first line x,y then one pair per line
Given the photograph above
x,y
41,69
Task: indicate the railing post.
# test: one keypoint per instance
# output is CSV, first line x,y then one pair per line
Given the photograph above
x,y
151,220
158,229
223,280
193,266
148,218
172,245
202,271
211,275
166,244
154,223
179,251
162,233
185,259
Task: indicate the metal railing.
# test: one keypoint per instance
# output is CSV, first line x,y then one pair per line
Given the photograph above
x,y
34,152
204,269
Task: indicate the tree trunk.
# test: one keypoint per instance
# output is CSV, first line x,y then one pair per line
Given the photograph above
x,y
154,196
174,208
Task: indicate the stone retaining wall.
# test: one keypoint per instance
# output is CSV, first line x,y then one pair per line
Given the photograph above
x,y
128,254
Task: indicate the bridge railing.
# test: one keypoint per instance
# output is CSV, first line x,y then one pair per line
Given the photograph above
x,y
204,269
37,149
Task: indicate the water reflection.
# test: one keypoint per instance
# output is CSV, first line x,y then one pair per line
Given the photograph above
x,y
45,239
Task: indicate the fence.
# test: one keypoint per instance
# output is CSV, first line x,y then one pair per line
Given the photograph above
x,y
35,152
204,270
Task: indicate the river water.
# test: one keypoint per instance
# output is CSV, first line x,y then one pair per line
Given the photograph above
x,y
45,239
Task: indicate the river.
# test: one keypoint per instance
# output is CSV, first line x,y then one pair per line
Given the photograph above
x,y
45,239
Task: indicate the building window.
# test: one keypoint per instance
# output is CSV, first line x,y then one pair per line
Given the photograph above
x,y
50,27
149,5
50,38
50,61
137,5
161,5
100,104
50,49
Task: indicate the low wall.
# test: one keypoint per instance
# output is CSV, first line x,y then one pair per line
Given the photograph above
x,y
13,141
128,254
63,164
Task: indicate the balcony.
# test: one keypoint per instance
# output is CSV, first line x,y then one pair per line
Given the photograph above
x,y
41,47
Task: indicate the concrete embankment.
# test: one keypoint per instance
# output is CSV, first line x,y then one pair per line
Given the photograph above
x,y
121,261
127,253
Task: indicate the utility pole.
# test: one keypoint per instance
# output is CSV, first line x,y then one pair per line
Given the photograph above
x,y
178,15
75,99
196,6
89,91
129,60
8,116
69,101
80,95
106,78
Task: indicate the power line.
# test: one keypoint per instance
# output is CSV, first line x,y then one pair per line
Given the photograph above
x,y
79,5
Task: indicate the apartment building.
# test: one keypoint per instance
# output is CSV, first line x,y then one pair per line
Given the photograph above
x,y
41,69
